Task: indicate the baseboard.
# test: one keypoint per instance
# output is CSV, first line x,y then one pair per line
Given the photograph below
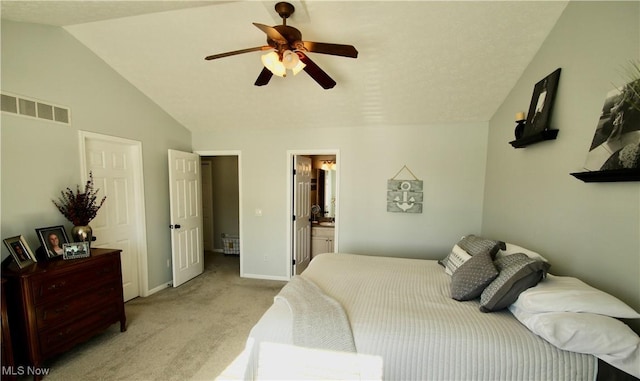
x,y
264,277
156,289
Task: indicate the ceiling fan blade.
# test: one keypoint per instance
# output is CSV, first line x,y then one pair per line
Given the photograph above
x,y
333,49
316,73
264,77
235,52
272,33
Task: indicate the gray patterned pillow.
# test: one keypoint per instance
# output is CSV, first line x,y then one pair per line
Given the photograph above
x,y
518,272
475,245
468,281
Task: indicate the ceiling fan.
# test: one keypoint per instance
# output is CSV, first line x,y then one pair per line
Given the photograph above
x,y
289,51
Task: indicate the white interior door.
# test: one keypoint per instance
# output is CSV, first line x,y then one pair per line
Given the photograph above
x,y
302,213
116,224
185,184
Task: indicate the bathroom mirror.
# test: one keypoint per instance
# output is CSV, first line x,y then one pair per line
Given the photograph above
x,y
324,186
329,203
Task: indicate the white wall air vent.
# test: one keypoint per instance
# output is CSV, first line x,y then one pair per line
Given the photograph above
x,y
33,108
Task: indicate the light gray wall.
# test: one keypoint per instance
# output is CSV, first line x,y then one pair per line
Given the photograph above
x,y
226,218
586,230
40,158
450,159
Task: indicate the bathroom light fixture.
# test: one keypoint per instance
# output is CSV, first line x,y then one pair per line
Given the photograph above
x,y
277,66
328,165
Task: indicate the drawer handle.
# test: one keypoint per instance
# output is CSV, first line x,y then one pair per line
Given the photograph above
x,y
62,309
63,333
56,285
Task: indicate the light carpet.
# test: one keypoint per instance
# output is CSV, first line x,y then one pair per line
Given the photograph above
x,y
191,332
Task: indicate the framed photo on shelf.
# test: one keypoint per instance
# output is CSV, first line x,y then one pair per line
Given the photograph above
x,y
20,251
75,250
52,238
544,93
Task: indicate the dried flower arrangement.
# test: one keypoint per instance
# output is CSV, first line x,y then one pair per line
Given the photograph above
x,y
80,207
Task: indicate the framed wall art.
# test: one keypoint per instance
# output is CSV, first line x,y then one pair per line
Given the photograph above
x,y
541,106
614,154
404,196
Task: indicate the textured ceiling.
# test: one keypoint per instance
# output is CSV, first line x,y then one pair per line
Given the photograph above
x,y
420,62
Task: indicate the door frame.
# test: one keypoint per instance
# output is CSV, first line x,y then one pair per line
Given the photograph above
x,y
238,154
209,211
138,201
290,187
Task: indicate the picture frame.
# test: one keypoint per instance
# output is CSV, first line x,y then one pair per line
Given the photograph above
x,y
20,251
52,238
614,154
541,106
76,250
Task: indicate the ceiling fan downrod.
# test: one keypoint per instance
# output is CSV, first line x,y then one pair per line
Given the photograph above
x,y
285,10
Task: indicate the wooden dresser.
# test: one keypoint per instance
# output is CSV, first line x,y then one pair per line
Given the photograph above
x,y
7,347
58,304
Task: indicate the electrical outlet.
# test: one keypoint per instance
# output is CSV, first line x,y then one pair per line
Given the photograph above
x,y
168,263
265,258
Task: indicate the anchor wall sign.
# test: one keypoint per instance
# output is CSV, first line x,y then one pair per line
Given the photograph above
x,y
404,196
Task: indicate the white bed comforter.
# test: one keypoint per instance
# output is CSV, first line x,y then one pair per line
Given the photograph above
x,y
400,311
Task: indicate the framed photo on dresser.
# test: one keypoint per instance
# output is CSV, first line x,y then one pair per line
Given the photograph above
x,y
20,251
52,238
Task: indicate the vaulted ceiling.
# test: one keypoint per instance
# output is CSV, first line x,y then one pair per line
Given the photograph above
x,y
419,62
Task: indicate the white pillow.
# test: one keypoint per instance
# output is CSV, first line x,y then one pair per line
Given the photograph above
x,y
455,259
513,249
568,294
602,336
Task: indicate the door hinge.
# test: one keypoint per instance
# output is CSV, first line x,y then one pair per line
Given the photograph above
x,y
294,171
294,217
294,262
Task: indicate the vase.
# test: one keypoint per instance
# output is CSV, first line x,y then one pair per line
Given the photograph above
x,y
82,233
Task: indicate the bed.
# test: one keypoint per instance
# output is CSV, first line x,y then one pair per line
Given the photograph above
x,y
352,316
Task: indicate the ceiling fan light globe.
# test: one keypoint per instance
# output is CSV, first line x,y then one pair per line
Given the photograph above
x,y
269,59
272,62
279,70
290,59
298,68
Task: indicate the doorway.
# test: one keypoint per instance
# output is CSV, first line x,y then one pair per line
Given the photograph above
x,y
221,202
321,199
116,166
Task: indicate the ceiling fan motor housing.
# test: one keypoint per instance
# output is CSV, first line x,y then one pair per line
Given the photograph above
x,y
290,33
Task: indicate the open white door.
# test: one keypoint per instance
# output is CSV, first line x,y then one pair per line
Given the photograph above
x,y
185,192
116,165
302,216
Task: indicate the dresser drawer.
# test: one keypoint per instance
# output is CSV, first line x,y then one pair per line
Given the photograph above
x,y
73,282
56,313
59,339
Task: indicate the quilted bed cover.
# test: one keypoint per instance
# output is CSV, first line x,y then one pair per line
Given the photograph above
x,y
400,311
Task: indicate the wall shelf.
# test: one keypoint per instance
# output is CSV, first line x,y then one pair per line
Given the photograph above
x,y
608,176
531,139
